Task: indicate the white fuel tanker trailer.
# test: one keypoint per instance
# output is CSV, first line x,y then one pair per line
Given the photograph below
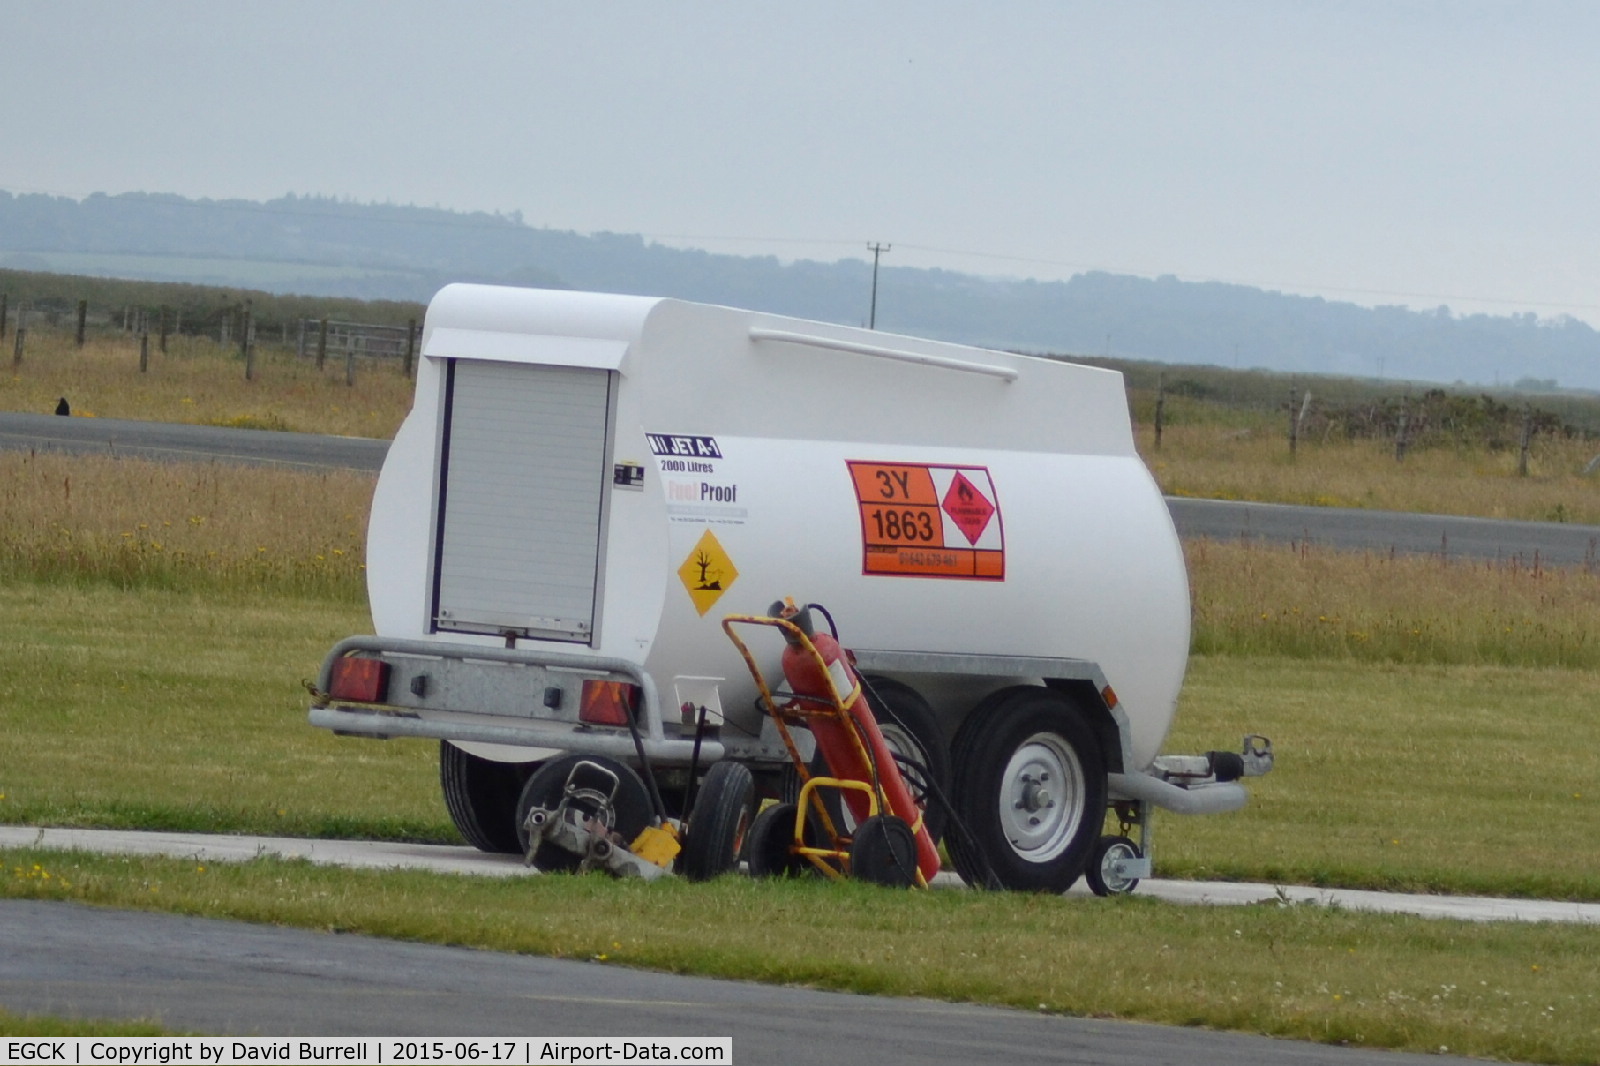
x,y
588,484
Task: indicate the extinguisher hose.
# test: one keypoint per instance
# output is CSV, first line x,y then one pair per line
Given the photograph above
x,y
833,627
936,792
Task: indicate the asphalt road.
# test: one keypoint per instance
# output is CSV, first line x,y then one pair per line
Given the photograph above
x,y
1531,543
170,440
1542,543
234,979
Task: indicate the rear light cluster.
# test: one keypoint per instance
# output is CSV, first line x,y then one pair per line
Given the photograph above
x,y
359,680
608,702
354,679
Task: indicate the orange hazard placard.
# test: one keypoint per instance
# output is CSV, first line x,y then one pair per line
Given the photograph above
x,y
922,520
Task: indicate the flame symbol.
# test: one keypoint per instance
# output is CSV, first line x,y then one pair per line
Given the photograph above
x,y
963,491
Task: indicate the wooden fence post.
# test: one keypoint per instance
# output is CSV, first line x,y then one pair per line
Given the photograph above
x,y
1400,441
163,328
83,318
1161,401
411,353
144,353
350,363
22,333
322,344
1294,423
244,330
4,297
1527,436
249,361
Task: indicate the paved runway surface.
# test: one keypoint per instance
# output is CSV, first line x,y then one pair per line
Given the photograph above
x,y
1530,543
174,441
230,978
1545,543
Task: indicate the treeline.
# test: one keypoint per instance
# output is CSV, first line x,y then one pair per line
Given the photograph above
x,y
323,246
51,300
1330,407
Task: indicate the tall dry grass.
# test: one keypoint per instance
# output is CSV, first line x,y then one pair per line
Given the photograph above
x,y
1316,603
1228,461
182,525
200,381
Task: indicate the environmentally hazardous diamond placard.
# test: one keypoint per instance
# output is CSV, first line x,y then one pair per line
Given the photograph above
x,y
707,572
926,520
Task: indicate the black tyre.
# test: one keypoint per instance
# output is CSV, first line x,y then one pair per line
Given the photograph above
x,y
1030,789
1102,874
631,808
719,823
912,732
769,846
884,852
481,797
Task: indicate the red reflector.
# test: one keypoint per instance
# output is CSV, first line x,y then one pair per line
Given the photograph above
x,y
607,702
1110,697
359,680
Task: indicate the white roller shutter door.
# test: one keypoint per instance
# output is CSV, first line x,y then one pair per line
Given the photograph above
x,y
521,495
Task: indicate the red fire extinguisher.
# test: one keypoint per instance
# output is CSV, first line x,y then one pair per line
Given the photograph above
x,y
844,758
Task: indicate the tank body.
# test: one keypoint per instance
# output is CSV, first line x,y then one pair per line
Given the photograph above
x,y
933,497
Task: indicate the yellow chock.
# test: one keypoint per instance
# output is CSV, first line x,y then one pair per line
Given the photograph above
x,y
657,844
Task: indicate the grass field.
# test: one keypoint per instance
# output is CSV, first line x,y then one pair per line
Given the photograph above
x,y
200,381
1431,722
1215,461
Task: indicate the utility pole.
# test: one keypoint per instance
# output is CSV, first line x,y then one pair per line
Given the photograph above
x,y
876,250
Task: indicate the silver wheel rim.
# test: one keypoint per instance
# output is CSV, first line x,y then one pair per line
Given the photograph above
x,y
1114,881
1042,797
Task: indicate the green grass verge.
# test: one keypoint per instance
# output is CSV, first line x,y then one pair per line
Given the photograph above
x,y
160,709
50,1025
1524,992
1463,779
154,708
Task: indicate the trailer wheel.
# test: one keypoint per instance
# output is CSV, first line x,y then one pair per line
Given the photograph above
x,y
631,807
884,852
719,822
481,797
912,732
1102,873
769,844
1030,790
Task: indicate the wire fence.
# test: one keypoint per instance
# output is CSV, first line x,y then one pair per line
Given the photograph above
x,y
227,324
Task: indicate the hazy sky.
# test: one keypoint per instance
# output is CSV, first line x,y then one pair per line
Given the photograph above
x,y
1387,152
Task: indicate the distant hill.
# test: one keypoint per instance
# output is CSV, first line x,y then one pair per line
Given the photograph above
x,y
324,247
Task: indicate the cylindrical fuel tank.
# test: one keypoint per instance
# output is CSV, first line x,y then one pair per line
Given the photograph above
x,y
932,497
